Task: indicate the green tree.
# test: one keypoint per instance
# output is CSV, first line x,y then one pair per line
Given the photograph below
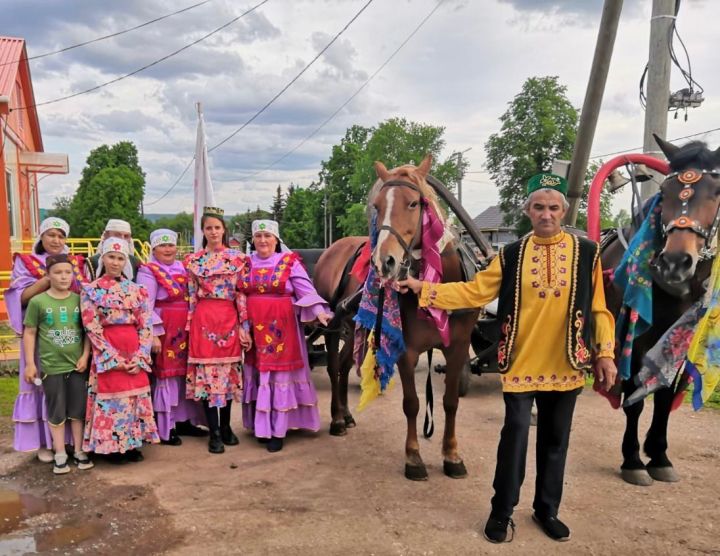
x,y
112,186
61,209
349,174
302,218
182,223
622,219
240,225
278,205
538,127
606,217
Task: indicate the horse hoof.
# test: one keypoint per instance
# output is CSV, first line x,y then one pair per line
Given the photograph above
x,y
455,470
416,472
639,477
338,428
664,474
349,421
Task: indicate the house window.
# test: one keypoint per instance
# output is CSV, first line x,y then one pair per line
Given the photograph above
x,y
11,207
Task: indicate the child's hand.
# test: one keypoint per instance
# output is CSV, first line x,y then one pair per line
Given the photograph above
x,y
156,345
245,339
30,373
82,363
133,369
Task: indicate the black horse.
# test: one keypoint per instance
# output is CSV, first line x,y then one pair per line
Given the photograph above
x,y
690,203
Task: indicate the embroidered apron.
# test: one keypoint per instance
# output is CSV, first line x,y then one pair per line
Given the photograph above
x,y
273,322
119,383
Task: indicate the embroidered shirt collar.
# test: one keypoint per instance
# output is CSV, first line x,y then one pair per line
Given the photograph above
x,y
557,238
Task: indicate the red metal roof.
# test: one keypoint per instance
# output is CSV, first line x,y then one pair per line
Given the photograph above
x,y
11,50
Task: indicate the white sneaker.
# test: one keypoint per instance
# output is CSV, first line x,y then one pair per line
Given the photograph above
x,y
45,455
61,464
82,461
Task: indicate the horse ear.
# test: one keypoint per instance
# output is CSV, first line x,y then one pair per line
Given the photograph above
x,y
381,171
666,147
425,165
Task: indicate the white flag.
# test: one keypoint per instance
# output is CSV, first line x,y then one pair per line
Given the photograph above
x,y
204,195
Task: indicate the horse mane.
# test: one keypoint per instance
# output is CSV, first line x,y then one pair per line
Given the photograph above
x,y
694,154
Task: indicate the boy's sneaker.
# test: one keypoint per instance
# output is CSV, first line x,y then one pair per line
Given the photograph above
x,y
60,467
82,461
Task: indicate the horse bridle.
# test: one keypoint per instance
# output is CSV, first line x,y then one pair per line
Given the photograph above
x,y
407,249
683,222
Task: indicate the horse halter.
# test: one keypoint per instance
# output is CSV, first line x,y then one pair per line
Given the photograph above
x,y
407,249
683,222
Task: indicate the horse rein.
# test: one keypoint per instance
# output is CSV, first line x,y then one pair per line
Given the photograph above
x,y
407,249
683,222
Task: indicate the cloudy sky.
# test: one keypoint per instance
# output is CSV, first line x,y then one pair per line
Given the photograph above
x,y
459,71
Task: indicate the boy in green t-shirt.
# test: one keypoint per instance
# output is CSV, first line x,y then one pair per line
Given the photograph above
x,y
53,324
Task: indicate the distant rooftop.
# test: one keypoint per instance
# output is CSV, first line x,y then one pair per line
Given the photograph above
x,y
491,218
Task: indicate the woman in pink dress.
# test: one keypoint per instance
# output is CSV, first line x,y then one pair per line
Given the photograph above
x,y
217,322
165,279
278,392
118,321
28,279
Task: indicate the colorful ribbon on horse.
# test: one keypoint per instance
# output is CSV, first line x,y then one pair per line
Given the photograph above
x,y
633,276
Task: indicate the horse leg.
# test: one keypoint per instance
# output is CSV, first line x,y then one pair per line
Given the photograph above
x,y
633,470
346,363
455,357
414,466
337,423
659,467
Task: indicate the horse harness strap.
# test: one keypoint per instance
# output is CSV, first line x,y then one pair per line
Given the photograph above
x,y
683,222
408,249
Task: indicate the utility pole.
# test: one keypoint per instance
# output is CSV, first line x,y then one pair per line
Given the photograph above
x,y
658,84
591,105
460,174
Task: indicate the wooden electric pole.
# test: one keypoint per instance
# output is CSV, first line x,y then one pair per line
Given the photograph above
x,y
591,106
658,84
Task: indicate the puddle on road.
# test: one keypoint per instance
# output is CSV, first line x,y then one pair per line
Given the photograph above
x,y
17,538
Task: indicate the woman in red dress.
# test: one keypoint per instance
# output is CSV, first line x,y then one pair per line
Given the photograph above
x,y
217,322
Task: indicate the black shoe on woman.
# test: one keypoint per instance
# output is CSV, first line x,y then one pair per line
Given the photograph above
x,y
215,443
186,428
275,444
134,456
173,439
228,436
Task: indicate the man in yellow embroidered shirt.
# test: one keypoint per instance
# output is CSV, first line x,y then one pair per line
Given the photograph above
x,y
554,327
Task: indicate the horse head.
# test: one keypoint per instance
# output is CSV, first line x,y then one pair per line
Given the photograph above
x,y
399,197
690,205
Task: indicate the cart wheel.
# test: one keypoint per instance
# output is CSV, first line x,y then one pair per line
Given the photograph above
x,y
465,375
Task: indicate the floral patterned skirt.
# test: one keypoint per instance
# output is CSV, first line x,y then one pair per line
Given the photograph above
x,y
119,424
214,383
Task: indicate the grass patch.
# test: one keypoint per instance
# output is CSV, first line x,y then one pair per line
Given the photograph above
x,y
8,393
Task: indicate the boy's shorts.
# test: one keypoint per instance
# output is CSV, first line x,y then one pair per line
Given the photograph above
x,y
65,396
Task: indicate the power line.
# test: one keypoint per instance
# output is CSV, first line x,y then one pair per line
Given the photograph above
x,y
147,66
294,79
110,36
272,100
640,148
344,104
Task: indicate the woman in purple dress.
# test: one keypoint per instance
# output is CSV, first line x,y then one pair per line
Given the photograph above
x,y
28,279
165,279
278,393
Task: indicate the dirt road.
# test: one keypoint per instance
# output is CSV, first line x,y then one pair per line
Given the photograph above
x,y
327,495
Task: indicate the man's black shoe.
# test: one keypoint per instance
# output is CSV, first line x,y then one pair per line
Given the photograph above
x,y
496,529
553,528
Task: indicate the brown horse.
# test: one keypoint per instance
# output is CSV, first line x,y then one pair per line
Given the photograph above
x,y
398,203
690,203
333,282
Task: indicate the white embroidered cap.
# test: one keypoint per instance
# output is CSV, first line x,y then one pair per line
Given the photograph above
x,y
266,226
117,225
116,245
52,223
162,236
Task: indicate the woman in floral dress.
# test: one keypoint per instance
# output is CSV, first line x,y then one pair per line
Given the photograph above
x,y
217,321
118,321
165,279
28,279
278,392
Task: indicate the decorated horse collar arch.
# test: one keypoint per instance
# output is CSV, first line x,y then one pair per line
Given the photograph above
x,y
683,222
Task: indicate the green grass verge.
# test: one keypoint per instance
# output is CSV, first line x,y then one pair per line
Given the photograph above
x,y
8,393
